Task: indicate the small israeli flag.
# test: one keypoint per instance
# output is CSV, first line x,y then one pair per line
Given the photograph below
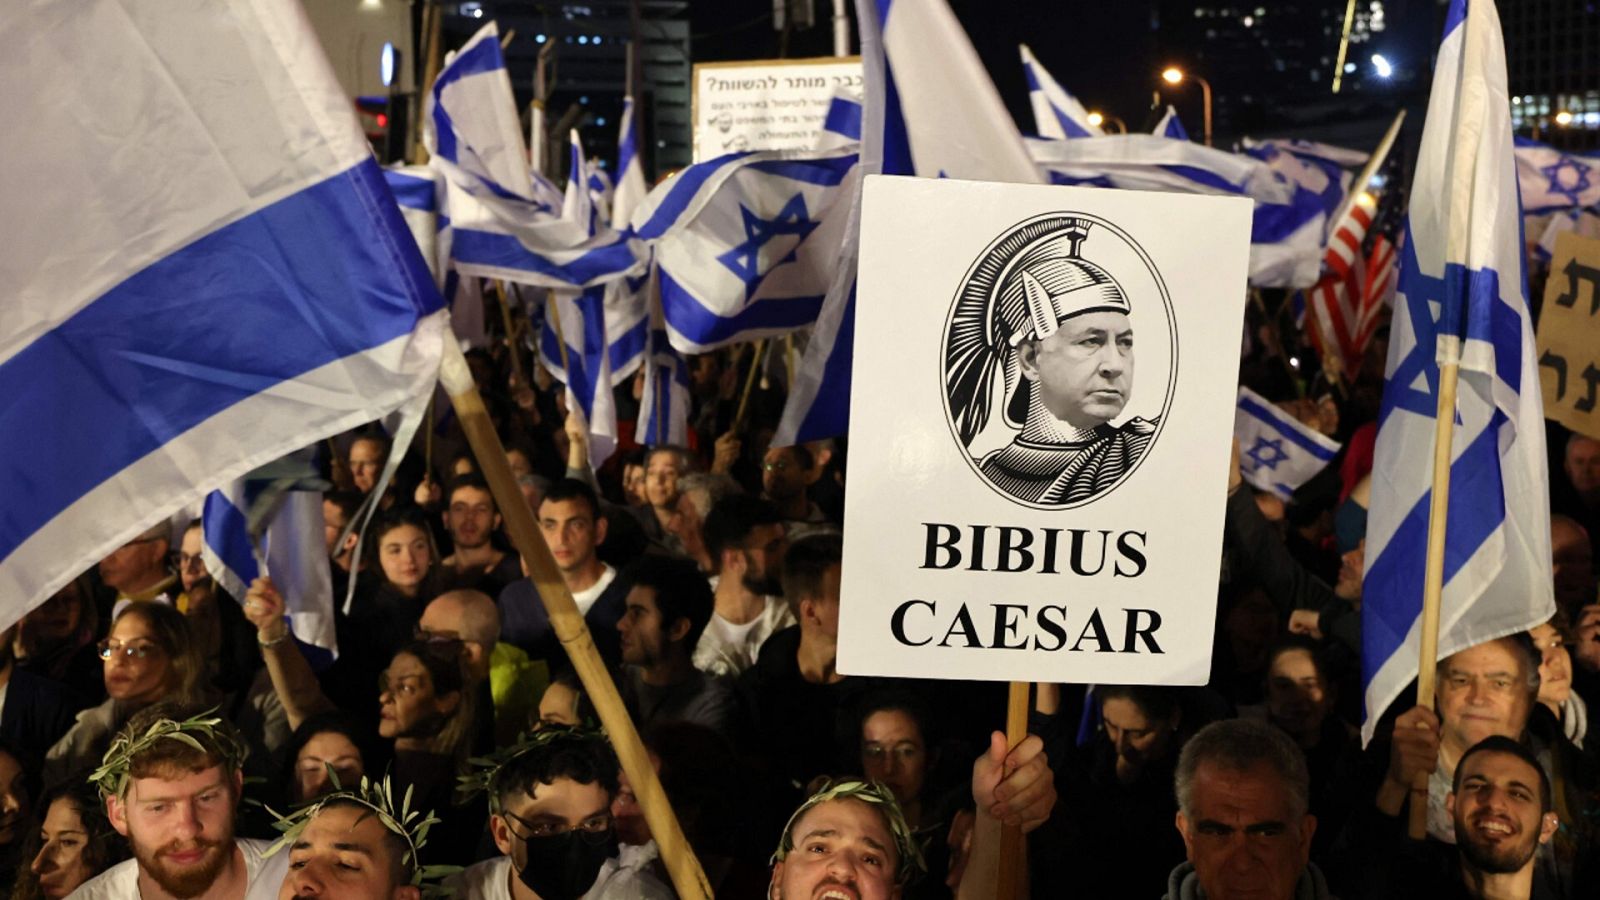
x,y
1056,113
1170,126
1276,452
1552,179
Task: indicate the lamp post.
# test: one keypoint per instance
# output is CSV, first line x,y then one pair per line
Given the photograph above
x,y
1175,76
1097,119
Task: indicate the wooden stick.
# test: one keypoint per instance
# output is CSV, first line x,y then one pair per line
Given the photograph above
x,y
553,314
687,877
1433,575
1374,162
749,382
511,328
505,39
788,360
1013,849
432,25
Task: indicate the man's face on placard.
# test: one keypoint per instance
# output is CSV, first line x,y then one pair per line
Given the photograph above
x,y
1084,371
180,828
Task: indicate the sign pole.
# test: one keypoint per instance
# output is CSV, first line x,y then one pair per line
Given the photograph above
x,y
688,879
1433,575
749,382
1013,849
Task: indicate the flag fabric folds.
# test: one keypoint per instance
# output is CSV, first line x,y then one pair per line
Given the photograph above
x,y
930,110
664,406
1461,298
238,283
746,243
293,547
1276,452
1289,221
1551,179
1056,113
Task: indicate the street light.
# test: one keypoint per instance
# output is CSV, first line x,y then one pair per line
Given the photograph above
x,y
1098,119
1564,118
1174,76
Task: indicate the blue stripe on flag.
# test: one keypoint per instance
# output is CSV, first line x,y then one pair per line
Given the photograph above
x,y
683,190
1477,509
829,415
825,172
487,248
702,326
412,192
845,119
228,535
1276,418
289,311
629,345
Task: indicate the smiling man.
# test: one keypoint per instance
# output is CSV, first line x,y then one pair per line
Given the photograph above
x,y
1071,337
171,782
1502,806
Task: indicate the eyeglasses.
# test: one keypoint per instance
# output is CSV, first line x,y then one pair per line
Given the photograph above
x,y
109,649
183,561
779,466
594,829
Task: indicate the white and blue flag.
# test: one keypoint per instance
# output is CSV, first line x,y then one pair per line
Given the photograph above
x,y
208,279
501,218
632,187
1276,452
1170,126
746,243
420,191
930,110
1056,113
1287,228
288,544
1554,179
664,406
841,126
1462,299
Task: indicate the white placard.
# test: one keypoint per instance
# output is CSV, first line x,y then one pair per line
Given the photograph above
x,y
1024,503
768,104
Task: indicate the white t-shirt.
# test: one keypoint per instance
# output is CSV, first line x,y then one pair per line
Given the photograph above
x,y
586,597
622,877
728,649
263,874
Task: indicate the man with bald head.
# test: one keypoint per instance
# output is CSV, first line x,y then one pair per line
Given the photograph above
x,y
504,672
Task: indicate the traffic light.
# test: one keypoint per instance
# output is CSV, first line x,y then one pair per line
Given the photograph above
x,y
383,119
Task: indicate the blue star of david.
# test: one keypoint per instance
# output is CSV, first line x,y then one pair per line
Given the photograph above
x,y
1267,454
1558,185
745,259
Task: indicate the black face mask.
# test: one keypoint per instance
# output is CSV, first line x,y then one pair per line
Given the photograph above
x,y
564,866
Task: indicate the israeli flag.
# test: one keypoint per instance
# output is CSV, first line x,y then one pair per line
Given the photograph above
x,y
502,222
1551,179
420,191
1056,113
930,110
1574,220
292,549
664,407
1462,299
1289,222
632,187
573,346
238,283
746,243
1170,126
1276,452
601,190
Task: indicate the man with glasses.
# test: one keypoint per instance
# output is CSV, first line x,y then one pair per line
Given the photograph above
x,y
550,815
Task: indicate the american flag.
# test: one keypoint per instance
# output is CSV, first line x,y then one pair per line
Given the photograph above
x,y
1355,287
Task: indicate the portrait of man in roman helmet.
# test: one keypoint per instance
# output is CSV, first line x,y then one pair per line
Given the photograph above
x,y
1044,331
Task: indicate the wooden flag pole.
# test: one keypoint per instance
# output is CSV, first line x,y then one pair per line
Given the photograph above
x,y
432,25
688,878
553,315
1433,575
1374,162
1013,850
749,382
511,330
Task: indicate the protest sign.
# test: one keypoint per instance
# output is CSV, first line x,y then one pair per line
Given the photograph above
x,y
1025,505
1569,335
766,104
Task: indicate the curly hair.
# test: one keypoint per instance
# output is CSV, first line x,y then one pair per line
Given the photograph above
x,y
103,846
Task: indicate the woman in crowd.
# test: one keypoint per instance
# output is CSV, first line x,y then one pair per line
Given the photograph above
x,y
325,747
74,843
149,655
429,712
898,752
15,817
56,640
1555,680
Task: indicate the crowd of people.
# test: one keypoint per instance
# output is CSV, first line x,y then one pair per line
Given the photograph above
x,y
158,735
